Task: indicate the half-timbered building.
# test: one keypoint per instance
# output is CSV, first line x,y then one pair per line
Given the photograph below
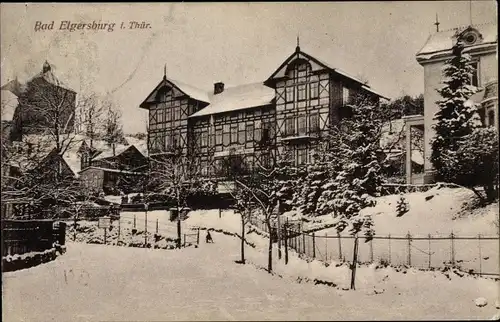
x,y
251,124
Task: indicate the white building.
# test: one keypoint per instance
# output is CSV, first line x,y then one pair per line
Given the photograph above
x,y
481,43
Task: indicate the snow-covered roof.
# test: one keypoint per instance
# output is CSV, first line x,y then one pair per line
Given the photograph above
x,y
72,159
141,145
8,105
42,146
491,91
111,170
191,91
238,98
48,75
442,41
119,149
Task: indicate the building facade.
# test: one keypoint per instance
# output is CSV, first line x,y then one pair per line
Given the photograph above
x,y
481,43
252,124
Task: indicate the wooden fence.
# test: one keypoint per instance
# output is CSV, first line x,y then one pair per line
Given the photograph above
x,y
24,236
472,254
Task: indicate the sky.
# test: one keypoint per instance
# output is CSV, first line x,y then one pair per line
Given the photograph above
x,y
236,43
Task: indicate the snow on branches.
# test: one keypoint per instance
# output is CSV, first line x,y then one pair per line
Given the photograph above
x,y
462,151
457,117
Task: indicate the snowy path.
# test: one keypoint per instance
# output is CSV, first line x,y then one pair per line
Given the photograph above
x,y
107,283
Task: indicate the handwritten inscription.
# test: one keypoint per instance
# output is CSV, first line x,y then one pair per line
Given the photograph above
x,y
67,25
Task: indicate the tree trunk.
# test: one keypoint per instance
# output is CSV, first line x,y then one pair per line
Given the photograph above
x,y
242,240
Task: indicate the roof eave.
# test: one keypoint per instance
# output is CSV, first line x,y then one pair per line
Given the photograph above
x,y
424,56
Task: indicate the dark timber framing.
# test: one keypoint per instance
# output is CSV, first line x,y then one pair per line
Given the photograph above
x,y
308,99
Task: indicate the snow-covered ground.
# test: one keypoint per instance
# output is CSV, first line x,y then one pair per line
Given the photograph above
x,y
437,212
108,283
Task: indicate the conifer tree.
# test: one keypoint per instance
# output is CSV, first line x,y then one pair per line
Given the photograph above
x,y
456,118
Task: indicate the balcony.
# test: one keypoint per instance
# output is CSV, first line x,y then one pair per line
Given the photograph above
x,y
301,135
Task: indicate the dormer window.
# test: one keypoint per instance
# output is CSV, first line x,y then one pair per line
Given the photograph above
x,y
470,36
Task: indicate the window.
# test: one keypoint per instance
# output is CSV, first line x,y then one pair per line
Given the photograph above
x,y
218,136
168,114
266,160
241,133
234,133
177,113
290,126
289,94
345,95
204,168
175,140
301,156
152,119
249,132
266,132
314,123
301,92
204,138
475,74
226,135
302,125
257,133
249,162
313,90
164,95
160,115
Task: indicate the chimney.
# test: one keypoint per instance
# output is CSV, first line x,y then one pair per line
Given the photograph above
x,y
46,67
218,88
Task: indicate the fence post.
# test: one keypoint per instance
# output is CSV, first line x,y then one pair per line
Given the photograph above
x,y
198,236
146,229
157,226
480,256
314,246
408,236
371,250
119,228
389,237
74,230
303,243
220,210
326,247
452,237
429,250
354,262
286,245
134,221
340,245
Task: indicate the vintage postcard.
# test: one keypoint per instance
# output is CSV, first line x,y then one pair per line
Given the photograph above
x,y
249,161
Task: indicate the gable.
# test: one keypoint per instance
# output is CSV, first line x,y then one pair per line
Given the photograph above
x,y
178,90
315,64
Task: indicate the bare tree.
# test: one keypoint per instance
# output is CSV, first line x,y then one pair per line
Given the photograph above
x,y
267,186
177,177
113,131
235,168
90,117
